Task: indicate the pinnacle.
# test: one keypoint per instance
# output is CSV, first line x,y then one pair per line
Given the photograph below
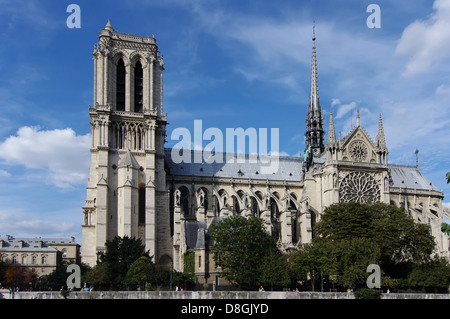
x,y
381,142
108,25
331,140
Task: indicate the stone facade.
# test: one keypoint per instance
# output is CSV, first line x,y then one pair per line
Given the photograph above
x,y
126,191
42,255
137,189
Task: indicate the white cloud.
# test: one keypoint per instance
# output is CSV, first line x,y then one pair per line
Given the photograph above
x,y
335,102
62,154
4,173
427,42
250,76
443,89
18,13
18,223
343,109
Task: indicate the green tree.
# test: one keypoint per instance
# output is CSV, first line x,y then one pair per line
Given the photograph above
x,y
398,237
182,279
445,228
310,260
141,272
431,274
349,259
343,261
100,276
239,246
275,270
351,236
120,253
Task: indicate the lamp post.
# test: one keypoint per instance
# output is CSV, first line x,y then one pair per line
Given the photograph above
x,y
321,280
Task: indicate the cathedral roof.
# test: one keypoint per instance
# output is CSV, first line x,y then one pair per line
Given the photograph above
x,y
289,167
195,234
129,161
405,176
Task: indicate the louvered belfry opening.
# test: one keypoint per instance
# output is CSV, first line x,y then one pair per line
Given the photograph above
x,y
138,87
120,89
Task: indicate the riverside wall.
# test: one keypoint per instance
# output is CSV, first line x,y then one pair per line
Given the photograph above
x,y
202,295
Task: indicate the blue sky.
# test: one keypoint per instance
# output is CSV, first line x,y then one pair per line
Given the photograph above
x,y
229,63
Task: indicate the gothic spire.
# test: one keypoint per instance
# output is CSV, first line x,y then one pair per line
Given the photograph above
x,y
381,141
331,139
314,119
314,96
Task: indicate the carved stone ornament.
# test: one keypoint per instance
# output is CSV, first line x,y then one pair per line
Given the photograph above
x,y
359,187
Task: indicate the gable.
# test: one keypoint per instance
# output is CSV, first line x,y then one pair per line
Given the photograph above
x,y
359,147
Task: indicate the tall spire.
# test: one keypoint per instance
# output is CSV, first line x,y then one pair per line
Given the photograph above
x,y
314,96
314,119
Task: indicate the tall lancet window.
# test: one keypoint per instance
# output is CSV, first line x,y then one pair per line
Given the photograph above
x,y
141,205
138,87
120,88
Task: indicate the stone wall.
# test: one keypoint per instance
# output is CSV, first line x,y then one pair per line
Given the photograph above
x,y
214,295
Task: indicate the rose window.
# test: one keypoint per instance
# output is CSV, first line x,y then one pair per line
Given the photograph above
x,y
359,187
358,151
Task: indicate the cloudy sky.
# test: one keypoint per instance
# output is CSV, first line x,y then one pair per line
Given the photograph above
x,y
228,63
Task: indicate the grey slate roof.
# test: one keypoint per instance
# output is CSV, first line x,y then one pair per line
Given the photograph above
x,y
197,234
405,176
129,160
33,244
193,230
289,167
29,244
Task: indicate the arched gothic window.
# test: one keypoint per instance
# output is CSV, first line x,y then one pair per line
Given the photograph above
x,y
254,207
138,87
184,201
120,86
142,205
236,207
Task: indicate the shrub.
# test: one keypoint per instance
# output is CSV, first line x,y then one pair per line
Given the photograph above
x,y
366,293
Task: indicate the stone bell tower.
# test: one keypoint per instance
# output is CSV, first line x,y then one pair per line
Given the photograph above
x,y
126,190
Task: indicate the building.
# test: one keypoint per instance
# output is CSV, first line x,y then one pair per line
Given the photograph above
x,y
137,189
42,255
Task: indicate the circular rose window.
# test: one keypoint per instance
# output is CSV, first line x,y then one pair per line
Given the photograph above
x,y
358,151
359,187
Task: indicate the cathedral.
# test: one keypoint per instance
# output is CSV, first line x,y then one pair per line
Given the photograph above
x,y
137,189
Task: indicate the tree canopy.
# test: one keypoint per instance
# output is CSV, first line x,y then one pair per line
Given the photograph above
x,y
351,236
398,237
245,250
120,254
344,261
